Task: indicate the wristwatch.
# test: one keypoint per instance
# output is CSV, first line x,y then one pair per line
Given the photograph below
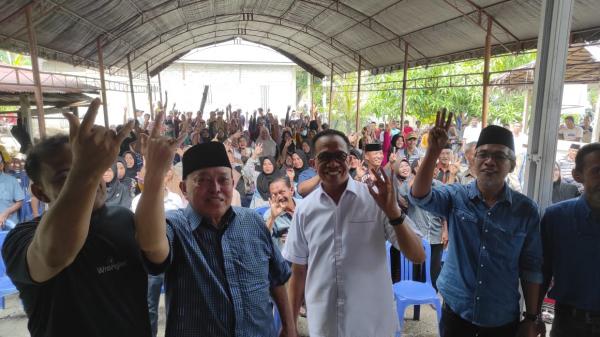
x,y
530,317
398,221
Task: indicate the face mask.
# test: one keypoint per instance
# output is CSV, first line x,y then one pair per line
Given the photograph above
x,y
304,133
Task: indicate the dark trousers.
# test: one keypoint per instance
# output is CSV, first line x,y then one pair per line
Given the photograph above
x,y
155,283
418,272
452,325
568,324
436,262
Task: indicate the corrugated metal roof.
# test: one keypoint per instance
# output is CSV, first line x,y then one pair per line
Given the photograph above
x,y
314,33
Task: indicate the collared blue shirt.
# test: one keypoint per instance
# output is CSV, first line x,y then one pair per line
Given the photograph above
x,y
570,237
489,249
306,174
212,290
10,193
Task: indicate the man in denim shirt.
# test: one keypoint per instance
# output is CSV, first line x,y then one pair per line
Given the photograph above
x,y
494,240
570,236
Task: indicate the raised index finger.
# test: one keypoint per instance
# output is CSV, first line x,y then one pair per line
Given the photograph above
x,y
90,116
449,121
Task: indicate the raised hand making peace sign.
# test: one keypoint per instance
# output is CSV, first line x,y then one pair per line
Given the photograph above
x,y
94,147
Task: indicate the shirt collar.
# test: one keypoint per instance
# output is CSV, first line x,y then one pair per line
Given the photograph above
x,y
195,219
473,192
351,187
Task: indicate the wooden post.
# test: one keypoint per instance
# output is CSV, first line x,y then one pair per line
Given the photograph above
x,y
35,67
404,76
486,72
149,92
131,86
102,84
25,114
160,92
330,95
356,126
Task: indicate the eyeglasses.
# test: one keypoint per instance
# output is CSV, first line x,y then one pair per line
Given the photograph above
x,y
496,156
326,156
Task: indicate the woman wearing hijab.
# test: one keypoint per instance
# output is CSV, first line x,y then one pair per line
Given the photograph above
x,y
268,173
123,178
299,163
117,194
307,148
131,167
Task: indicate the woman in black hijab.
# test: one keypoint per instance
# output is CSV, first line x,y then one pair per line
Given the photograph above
x,y
268,173
307,148
299,163
130,165
117,194
123,178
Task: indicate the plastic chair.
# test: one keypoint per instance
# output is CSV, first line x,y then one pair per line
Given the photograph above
x,y
262,210
6,285
408,292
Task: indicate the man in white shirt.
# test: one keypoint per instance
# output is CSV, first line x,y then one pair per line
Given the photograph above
x,y
570,131
472,131
337,247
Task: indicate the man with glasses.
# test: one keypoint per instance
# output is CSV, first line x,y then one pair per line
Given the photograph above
x,y
337,247
221,266
495,240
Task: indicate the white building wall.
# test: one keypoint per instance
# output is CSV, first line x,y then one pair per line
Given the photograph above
x,y
238,84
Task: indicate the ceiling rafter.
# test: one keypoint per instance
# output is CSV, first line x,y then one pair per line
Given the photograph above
x,y
278,22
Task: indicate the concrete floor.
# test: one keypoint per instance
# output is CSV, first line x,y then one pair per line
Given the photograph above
x,y
13,322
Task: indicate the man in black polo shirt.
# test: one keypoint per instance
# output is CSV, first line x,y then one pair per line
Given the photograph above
x,y
78,268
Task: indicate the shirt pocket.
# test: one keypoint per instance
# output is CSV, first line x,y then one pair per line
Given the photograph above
x,y
507,242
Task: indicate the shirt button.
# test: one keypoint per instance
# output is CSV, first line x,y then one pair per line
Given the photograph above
x,y
477,298
483,247
486,230
489,213
482,266
479,282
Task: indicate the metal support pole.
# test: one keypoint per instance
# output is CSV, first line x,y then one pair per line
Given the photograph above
x,y
102,83
330,95
25,114
149,92
309,85
160,91
356,126
486,72
404,76
35,67
553,43
131,85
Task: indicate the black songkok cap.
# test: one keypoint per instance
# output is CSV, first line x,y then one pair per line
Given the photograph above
x,y
211,154
575,146
494,134
373,147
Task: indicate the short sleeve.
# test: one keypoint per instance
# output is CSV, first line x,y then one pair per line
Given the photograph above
x,y
18,193
14,253
296,246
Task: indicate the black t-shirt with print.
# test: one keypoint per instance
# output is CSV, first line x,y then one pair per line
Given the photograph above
x,y
102,293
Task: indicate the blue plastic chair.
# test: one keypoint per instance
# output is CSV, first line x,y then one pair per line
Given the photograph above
x,y
409,292
262,210
6,285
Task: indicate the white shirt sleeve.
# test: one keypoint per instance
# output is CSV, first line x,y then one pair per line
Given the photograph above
x,y
296,246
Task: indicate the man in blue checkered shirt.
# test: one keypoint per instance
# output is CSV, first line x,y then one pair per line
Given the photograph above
x,y
221,267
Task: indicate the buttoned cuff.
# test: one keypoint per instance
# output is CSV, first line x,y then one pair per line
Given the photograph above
x,y
532,276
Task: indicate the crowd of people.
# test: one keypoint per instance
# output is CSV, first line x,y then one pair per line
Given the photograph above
x,y
234,214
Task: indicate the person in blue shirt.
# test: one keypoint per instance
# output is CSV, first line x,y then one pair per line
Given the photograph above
x,y
11,197
494,240
221,266
570,236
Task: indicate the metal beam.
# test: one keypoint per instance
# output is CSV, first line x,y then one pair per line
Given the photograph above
x,y
486,73
35,67
553,42
356,126
160,91
482,10
188,45
131,85
404,77
102,84
257,18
